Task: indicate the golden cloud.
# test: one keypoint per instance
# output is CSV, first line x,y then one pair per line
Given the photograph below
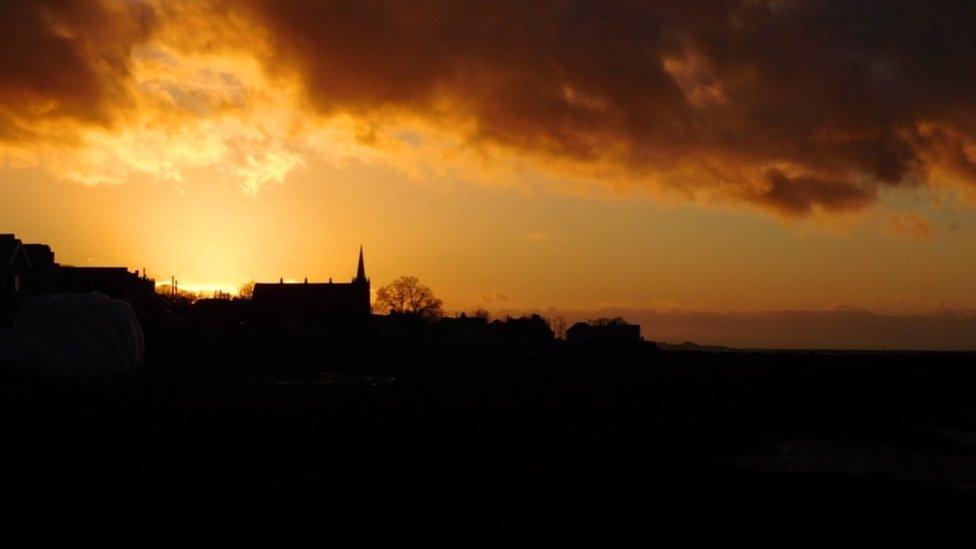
x,y
799,108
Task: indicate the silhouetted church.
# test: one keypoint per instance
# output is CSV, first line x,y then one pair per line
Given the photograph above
x,y
320,301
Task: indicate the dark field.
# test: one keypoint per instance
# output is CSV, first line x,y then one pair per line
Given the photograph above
x,y
532,439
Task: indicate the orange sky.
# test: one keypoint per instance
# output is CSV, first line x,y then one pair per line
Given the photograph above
x,y
590,160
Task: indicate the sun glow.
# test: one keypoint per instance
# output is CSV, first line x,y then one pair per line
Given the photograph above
x,y
200,290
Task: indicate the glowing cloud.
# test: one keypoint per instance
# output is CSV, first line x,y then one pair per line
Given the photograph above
x,y
799,108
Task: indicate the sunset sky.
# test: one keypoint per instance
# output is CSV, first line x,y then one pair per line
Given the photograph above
x,y
757,173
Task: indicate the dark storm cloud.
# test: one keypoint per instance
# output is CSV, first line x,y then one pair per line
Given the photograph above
x,y
793,105
64,59
841,97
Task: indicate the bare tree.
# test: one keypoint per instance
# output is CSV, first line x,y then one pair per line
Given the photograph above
x,y
407,295
246,291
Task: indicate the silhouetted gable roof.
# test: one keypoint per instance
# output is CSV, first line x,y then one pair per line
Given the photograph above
x,y
10,249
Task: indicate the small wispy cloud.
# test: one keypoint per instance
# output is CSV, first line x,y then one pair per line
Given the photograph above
x,y
910,225
494,297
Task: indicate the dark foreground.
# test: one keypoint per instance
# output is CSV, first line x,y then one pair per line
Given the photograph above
x,y
558,441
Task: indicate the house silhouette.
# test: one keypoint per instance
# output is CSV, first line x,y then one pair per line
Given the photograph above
x,y
30,269
14,267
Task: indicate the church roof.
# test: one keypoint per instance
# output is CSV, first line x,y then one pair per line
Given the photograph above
x,y
306,288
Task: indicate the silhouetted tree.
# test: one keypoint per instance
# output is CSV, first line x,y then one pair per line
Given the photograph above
x,y
406,295
178,298
246,291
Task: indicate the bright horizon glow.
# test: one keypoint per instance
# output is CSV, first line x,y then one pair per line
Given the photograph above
x,y
203,290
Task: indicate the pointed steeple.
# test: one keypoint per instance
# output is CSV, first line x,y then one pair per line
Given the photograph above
x,y
361,271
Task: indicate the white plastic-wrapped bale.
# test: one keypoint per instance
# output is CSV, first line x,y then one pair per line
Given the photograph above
x,y
72,338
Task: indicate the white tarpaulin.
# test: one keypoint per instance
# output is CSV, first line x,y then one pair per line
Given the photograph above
x,y
72,337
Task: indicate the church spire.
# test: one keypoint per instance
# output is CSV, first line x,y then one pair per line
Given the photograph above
x,y
361,271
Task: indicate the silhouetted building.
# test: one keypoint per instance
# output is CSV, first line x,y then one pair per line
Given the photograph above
x,y
604,332
14,267
219,310
30,269
117,282
463,329
40,255
525,330
43,276
316,300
